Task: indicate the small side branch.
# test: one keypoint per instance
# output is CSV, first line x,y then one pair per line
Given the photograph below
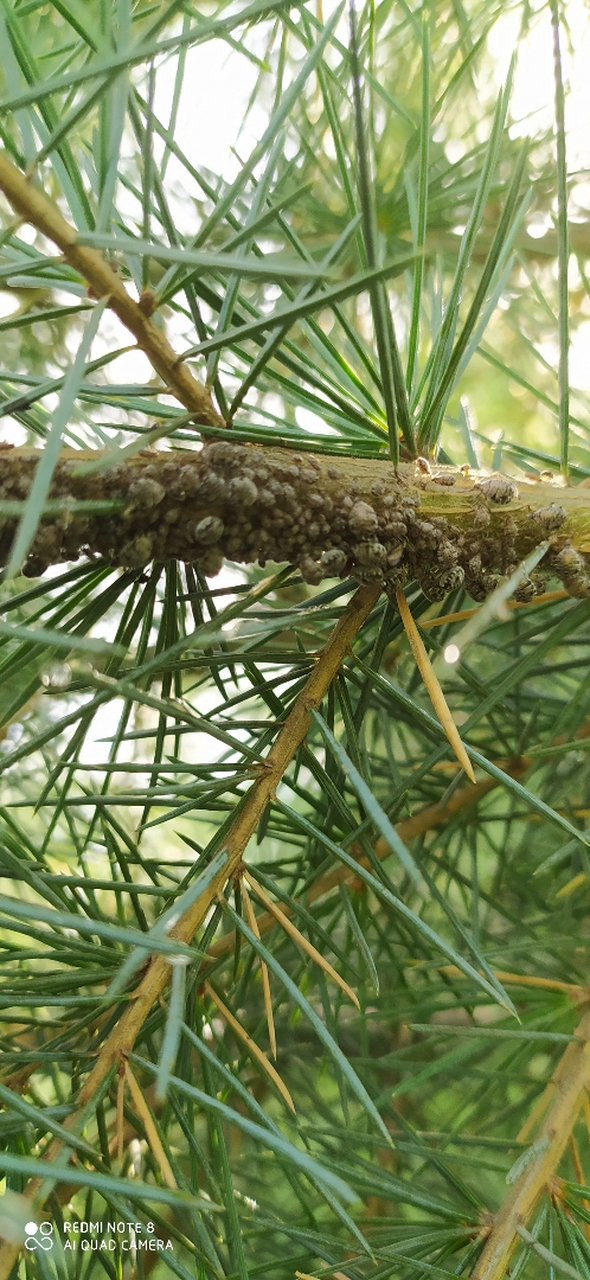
x,y
34,207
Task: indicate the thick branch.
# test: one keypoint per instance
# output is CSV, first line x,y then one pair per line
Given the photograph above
x,y
329,515
33,206
122,1038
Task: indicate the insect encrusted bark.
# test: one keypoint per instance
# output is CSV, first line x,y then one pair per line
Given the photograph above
x,y
330,516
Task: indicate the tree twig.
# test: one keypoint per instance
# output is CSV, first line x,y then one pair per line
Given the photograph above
x,y
571,1080
35,207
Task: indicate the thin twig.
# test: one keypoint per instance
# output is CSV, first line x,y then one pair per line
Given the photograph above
x,y
121,1040
574,990
547,597
35,207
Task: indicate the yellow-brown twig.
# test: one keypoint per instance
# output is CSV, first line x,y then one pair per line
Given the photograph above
x,y
35,207
120,1042
571,1080
574,990
547,597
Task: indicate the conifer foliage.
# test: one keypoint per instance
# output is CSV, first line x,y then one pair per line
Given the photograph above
x,y
294,624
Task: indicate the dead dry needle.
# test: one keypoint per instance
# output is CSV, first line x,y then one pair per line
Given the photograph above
x,y
251,1044
149,1125
435,692
252,921
304,943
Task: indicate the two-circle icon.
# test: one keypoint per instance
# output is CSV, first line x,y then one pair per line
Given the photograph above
x,y
39,1236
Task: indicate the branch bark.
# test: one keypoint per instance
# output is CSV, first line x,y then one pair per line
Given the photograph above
x,y
34,207
329,515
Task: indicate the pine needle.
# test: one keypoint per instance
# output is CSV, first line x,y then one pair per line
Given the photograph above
x,y
153,1136
252,921
573,989
298,937
120,1114
572,885
435,692
251,1044
547,597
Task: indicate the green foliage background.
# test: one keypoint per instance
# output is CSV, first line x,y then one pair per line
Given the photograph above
x,y
136,707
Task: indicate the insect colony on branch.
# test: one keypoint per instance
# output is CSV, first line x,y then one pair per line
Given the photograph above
x,y
250,504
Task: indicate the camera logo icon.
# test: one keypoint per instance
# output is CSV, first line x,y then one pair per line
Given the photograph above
x,y
39,1236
